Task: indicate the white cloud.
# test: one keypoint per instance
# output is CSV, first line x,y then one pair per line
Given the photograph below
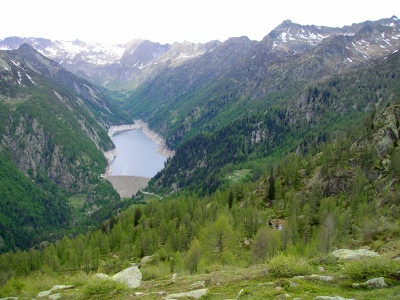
x,y
119,21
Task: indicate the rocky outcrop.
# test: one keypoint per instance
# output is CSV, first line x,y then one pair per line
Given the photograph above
x,y
388,132
53,289
374,283
145,260
132,277
347,254
195,294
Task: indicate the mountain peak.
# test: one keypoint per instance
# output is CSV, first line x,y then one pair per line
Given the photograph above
x,y
26,46
287,22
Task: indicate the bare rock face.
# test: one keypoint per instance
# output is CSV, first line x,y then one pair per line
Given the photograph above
x,y
132,277
388,133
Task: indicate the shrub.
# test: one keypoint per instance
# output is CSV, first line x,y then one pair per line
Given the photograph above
x,y
288,266
368,268
98,287
150,271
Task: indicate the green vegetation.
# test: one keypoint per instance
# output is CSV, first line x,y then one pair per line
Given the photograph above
x,y
309,118
256,197
52,138
325,201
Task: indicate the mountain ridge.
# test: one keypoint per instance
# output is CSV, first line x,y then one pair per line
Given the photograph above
x,y
52,138
125,66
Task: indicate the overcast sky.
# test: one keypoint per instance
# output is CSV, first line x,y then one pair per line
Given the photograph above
x,y
169,21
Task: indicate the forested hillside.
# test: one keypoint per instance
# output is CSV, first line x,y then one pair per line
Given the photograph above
x,y
342,194
53,134
312,115
285,150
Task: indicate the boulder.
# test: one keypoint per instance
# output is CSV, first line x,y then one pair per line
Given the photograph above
x,y
347,254
195,294
374,283
132,277
145,260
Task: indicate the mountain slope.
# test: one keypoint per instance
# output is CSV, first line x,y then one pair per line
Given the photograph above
x,y
309,117
241,76
53,131
116,66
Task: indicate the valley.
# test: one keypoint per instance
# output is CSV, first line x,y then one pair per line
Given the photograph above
x,y
275,156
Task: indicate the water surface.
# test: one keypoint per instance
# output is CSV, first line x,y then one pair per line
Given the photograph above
x,y
137,155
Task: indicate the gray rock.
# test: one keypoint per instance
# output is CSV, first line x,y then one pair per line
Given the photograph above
x,y
347,254
44,294
61,287
331,298
132,277
196,294
374,283
291,283
55,296
145,260
55,288
198,284
326,278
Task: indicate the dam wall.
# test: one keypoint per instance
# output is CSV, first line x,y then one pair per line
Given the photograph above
x,y
126,186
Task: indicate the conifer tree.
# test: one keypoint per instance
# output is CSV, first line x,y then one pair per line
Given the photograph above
x,y
271,187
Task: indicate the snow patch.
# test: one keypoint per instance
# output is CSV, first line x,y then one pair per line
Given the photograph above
x,y
30,78
15,63
184,55
144,66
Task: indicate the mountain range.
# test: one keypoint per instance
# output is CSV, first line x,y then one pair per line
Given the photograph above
x,y
285,150
219,104
125,66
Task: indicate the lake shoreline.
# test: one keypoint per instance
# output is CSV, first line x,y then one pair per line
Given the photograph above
x,y
139,124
